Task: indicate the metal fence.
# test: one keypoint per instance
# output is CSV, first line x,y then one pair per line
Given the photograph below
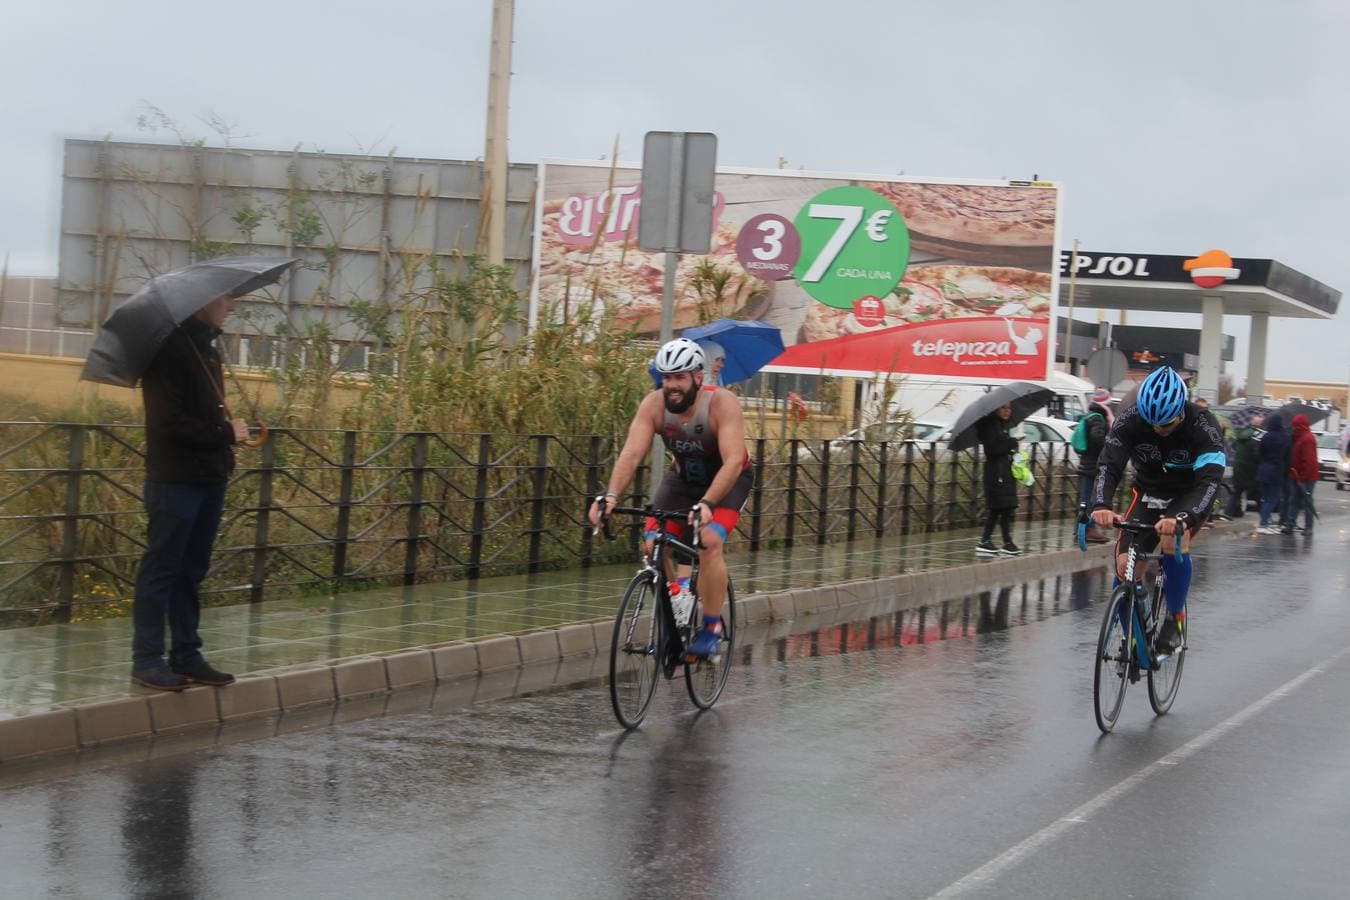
x,y
320,511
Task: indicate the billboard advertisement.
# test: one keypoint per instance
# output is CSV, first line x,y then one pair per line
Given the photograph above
x,y
861,275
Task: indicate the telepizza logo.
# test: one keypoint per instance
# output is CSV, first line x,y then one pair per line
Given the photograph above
x,y
1211,268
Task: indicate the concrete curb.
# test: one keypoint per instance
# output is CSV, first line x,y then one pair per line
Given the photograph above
x,y
493,667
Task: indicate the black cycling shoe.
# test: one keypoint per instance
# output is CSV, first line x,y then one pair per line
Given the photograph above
x,y
1169,637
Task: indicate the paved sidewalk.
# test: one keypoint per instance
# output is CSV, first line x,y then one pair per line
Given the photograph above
x,y
289,654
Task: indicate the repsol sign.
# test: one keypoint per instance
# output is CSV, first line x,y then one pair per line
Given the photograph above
x,y
1147,267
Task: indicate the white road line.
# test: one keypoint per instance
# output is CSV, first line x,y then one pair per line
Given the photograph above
x,y
1018,852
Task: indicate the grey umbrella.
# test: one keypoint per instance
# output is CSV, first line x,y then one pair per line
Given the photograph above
x,y
1315,414
1025,397
133,334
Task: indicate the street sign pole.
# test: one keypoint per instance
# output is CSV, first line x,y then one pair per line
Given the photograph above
x,y
678,173
673,197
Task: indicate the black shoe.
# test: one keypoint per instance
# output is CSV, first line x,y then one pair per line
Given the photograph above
x,y
1169,637
1010,549
986,548
1286,529
202,673
160,680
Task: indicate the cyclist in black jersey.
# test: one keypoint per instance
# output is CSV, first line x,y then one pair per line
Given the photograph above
x,y
704,429
1178,453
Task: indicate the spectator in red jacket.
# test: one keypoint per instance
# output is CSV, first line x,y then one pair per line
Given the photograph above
x,y
1303,474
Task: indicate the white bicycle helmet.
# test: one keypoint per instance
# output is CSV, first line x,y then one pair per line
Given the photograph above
x,y
679,355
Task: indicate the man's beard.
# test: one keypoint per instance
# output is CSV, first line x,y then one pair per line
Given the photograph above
x,y
680,406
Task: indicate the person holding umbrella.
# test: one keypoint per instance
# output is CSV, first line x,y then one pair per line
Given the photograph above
x,y
1000,488
164,337
987,421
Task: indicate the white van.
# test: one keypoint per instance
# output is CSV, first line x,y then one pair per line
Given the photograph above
x,y
928,400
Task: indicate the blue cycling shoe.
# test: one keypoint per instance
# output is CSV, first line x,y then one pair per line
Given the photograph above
x,y
708,641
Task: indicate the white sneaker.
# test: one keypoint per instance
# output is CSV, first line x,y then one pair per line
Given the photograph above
x,y
1267,529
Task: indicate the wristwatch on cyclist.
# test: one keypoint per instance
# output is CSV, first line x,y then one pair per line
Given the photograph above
x,y
606,497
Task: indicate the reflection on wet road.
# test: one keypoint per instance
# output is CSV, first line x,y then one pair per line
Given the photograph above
x,y
890,756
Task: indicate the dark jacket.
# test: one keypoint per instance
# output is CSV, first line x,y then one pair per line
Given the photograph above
x,y
188,439
1000,490
1185,465
1246,454
1274,457
1096,419
1303,454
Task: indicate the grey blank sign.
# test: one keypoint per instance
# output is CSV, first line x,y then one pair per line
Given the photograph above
x,y
1107,367
678,171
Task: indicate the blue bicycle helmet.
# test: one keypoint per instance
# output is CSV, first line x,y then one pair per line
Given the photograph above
x,y
1162,396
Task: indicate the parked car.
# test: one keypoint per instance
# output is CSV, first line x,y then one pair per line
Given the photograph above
x,y
895,430
1329,459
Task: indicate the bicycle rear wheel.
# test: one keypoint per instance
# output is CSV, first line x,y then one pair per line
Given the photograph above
x,y
1110,676
705,677
1165,676
634,653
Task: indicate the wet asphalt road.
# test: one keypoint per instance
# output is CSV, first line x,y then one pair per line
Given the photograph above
x,y
952,751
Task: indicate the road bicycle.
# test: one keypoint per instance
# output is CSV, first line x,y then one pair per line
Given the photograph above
x,y
1129,626
647,640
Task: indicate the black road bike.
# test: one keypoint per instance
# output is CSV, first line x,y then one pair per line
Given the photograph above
x,y
649,641
1125,643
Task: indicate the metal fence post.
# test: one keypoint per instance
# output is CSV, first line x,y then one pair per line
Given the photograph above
x,y
1031,491
592,491
757,496
479,523
823,496
263,523
540,485
882,459
854,465
930,495
414,538
70,522
792,493
342,534
906,488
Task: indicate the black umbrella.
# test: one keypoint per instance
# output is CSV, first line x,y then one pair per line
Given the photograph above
x,y
1024,397
133,334
1315,414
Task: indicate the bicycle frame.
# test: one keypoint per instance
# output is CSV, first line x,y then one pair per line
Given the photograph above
x,y
654,562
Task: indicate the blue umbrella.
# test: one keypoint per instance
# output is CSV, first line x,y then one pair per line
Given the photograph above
x,y
749,346
746,347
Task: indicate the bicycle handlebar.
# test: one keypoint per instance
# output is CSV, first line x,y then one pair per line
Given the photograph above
x,y
661,515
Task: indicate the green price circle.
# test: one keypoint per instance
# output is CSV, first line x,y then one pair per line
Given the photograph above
x,y
854,243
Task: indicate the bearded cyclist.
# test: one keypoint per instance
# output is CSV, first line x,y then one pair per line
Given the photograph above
x,y
704,430
1178,454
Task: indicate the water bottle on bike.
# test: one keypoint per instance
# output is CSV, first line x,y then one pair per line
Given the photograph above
x,y
681,600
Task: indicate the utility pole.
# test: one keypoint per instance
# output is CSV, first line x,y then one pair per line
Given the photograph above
x,y
492,206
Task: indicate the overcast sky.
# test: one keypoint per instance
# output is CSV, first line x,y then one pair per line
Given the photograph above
x,y
1175,126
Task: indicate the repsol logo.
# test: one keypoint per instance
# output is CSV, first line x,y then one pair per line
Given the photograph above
x,y
956,350
1087,265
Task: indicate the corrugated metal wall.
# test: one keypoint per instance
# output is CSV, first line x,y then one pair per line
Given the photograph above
x,y
133,210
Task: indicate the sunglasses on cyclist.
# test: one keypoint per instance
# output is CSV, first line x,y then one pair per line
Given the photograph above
x,y
1173,423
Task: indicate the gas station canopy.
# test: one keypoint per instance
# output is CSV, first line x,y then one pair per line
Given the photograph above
x,y
1156,282
1211,285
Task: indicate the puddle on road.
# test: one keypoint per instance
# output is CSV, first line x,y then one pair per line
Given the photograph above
x,y
979,613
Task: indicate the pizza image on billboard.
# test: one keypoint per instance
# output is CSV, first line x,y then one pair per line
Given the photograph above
x,y
850,269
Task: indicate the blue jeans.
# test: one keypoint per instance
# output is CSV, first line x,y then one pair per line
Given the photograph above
x,y
1272,497
1298,495
182,529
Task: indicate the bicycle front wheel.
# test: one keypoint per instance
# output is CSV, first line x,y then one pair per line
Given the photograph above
x,y
634,653
706,676
1165,676
1111,673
